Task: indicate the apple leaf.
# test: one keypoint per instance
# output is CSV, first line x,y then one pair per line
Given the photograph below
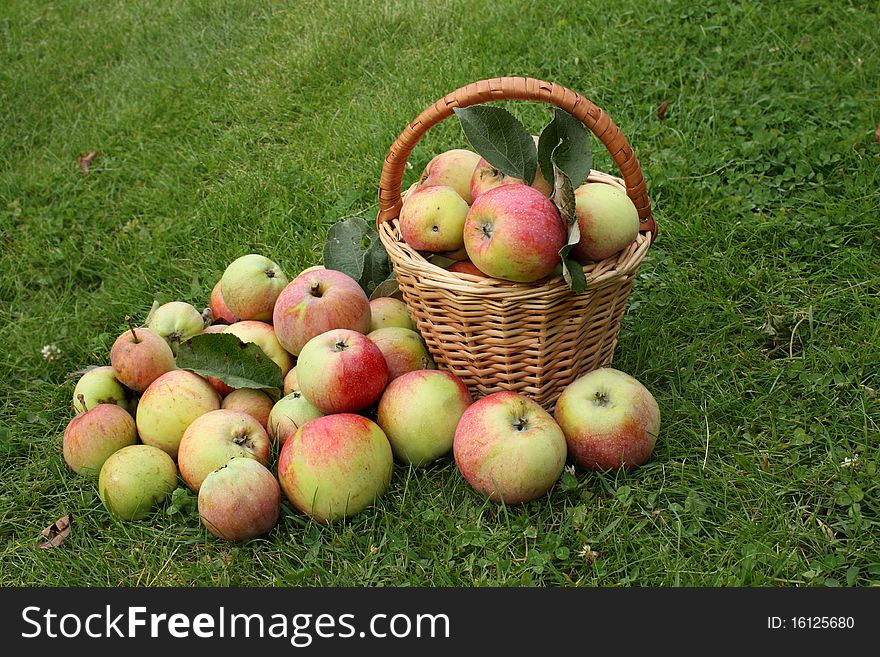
x,y
225,357
501,139
354,248
344,249
565,142
387,288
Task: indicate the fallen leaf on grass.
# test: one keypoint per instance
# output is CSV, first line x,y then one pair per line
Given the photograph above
x,y
85,161
661,111
57,532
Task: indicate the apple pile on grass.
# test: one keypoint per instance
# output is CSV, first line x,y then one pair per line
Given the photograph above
x,y
310,389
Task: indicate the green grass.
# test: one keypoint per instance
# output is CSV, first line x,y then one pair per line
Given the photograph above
x,y
228,128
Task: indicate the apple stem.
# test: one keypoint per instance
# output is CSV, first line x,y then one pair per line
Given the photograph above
x,y
82,401
315,289
131,328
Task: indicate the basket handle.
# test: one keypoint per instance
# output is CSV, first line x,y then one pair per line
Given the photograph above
x,y
516,88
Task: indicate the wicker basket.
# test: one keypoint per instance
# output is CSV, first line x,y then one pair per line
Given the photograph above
x,y
532,338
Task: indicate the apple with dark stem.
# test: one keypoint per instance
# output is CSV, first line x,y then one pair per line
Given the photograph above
x,y
139,357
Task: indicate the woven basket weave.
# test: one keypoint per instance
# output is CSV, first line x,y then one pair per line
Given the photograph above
x,y
532,338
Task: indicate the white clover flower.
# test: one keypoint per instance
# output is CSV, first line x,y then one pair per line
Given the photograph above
x,y
569,469
51,352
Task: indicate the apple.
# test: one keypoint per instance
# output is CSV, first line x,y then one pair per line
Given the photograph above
x,y
607,219
134,479
219,310
289,414
509,448
176,322
487,177
404,350
255,403
387,311
250,286
92,436
419,413
291,382
610,420
216,437
240,500
335,466
99,385
432,219
466,267
263,335
139,357
453,168
513,232
341,371
318,301
170,405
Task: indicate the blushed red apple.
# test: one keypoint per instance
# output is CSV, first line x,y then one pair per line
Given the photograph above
x,y
403,349
509,448
91,437
139,357
514,233
255,403
214,438
341,371
453,168
610,420
318,301
335,466
240,500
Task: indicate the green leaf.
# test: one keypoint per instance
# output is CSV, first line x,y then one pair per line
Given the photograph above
x,y
568,139
387,288
225,357
501,139
354,248
344,249
376,265
572,270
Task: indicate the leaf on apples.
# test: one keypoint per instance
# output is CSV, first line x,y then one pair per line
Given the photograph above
x,y
354,248
387,288
344,249
565,142
563,194
225,357
500,139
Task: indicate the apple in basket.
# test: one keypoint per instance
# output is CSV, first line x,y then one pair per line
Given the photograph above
x,y
610,420
509,448
486,177
454,169
514,232
607,219
432,219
